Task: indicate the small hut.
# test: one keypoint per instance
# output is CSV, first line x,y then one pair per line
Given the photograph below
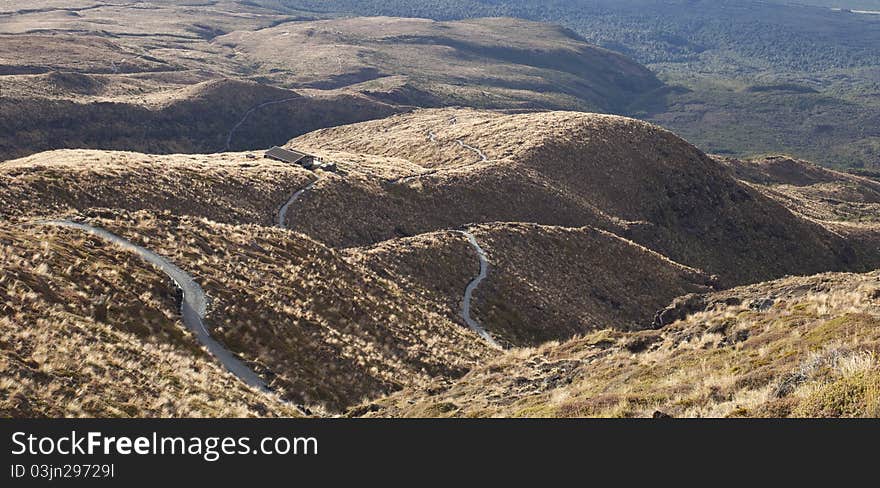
x,y
291,156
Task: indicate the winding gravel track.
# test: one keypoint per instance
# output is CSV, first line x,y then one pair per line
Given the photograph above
x,y
469,292
193,306
281,218
248,114
474,149
432,137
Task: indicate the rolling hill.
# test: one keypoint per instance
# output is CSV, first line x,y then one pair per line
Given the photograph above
x,y
796,347
615,253
565,169
170,77
486,63
743,77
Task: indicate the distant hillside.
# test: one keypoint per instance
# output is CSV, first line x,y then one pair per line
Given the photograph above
x,y
181,79
843,201
487,63
207,117
712,53
782,33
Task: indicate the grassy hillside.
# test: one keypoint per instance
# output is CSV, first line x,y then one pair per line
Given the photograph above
x,y
488,63
520,303
611,247
746,77
229,188
86,330
322,332
177,78
566,169
801,347
815,192
198,118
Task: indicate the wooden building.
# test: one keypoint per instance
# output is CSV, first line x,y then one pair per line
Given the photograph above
x,y
292,157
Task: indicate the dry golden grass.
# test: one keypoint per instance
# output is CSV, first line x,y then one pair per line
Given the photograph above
x,y
325,332
435,267
570,169
544,283
599,221
169,77
87,330
553,283
808,189
489,63
227,188
793,347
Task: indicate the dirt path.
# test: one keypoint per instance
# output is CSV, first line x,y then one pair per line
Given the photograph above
x,y
480,153
248,114
432,137
281,218
469,292
193,307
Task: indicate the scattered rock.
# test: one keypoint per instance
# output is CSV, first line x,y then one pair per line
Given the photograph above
x,y
741,335
788,383
329,167
361,410
738,336
642,342
730,301
762,304
436,390
720,328
679,310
